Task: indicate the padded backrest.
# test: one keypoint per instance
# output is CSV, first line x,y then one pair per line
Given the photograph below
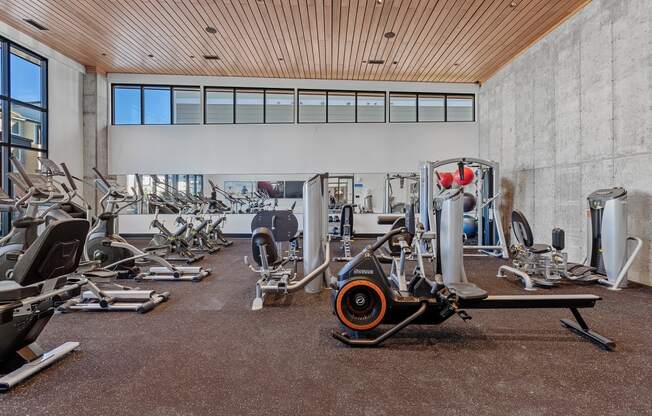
x,y
346,219
410,221
56,252
394,242
262,236
522,230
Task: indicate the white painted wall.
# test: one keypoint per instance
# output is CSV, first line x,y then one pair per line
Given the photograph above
x,y
65,80
290,148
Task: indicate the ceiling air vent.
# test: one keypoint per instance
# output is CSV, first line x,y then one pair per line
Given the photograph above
x,y
36,24
211,57
376,61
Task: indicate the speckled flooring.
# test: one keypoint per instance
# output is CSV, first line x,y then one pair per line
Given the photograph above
x,y
206,353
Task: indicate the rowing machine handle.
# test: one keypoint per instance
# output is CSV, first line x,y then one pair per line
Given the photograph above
x,y
382,240
71,181
102,178
21,171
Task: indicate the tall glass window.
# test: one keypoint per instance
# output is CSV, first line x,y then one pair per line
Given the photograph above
x,y
219,105
341,107
23,112
156,103
187,106
312,106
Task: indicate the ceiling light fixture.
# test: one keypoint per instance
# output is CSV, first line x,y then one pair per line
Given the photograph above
x,y
513,4
35,24
376,61
389,35
280,59
150,55
395,62
211,57
211,30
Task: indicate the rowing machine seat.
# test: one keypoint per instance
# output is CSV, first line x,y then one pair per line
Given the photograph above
x,y
467,291
263,237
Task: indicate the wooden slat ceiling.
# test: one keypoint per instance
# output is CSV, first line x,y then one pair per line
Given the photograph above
x,y
436,40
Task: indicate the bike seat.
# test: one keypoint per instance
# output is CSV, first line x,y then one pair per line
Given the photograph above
x,y
467,291
539,248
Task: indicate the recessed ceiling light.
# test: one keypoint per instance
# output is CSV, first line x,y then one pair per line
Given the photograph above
x,y
36,24
192,56
280,59
395,62
513,4
456,64
390,35
211,57
150,55
210,29
379,1
103,54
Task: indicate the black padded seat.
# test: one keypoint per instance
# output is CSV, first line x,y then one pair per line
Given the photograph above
x,y
12,291
539,248
467,291
262,236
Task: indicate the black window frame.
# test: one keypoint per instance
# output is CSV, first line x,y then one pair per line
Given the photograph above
x,y
142,88
7,144
338,91
445,95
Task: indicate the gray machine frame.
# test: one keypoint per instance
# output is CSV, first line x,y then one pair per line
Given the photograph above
x,y
316,250
428,183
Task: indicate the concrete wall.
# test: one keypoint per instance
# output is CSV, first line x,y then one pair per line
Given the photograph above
x,y
65,78
287,148
574,114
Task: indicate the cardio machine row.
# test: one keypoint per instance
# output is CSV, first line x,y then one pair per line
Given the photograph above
x,y
58,255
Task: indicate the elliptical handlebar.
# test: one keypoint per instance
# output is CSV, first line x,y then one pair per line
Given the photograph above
x,y
71,181
21,171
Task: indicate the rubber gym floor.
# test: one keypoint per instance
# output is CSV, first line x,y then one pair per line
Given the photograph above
x,y
206,353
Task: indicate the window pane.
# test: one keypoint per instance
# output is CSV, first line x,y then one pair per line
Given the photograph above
x,y
341,107
182,185
460,108
279,106
219,106
29,158
431,107
156,101
371,107
402,108
249,106
187,107
25,77
126,105
312,107
26,126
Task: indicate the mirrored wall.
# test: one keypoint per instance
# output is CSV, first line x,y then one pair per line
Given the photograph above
x,y
376,193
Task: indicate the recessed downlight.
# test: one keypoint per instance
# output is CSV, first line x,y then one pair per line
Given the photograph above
x,y
210,29
150,55
389,35
513,4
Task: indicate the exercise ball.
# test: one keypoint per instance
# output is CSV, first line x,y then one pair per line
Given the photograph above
x,y
470,226
468,176
444,179
469,202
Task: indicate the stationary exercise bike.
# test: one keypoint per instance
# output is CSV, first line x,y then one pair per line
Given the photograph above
x,y
364,297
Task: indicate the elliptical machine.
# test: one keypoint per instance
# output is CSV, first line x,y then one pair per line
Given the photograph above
x,y
105,244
